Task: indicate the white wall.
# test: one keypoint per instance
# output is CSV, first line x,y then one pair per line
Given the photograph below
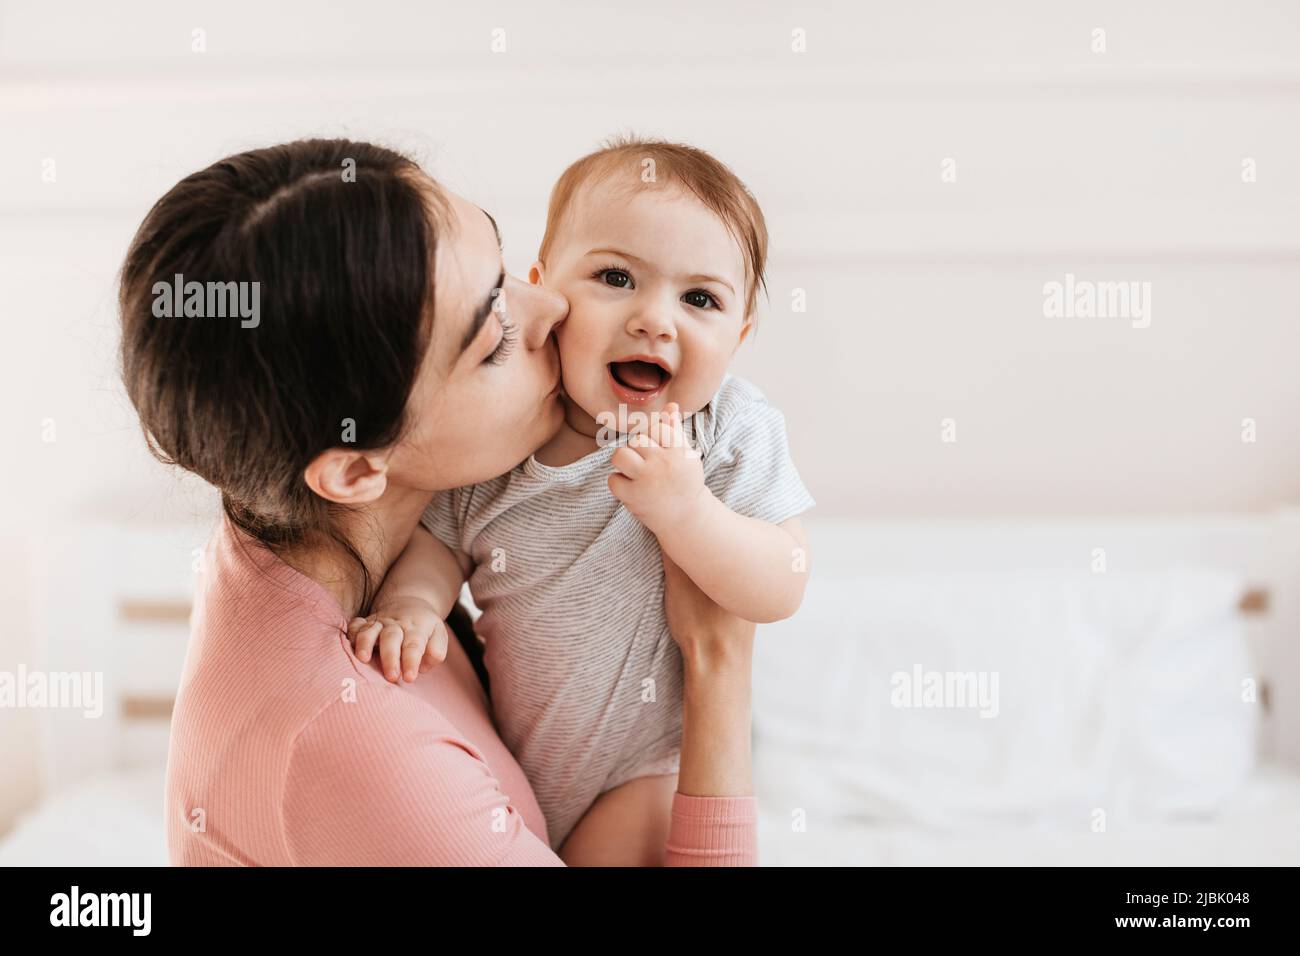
x,y
924,298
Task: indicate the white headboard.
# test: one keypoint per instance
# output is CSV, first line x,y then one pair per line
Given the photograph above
x,y
115,600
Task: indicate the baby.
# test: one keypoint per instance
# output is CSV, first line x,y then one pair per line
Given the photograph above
x,y
660,251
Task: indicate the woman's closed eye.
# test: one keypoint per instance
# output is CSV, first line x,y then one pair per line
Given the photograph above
x,y
505,344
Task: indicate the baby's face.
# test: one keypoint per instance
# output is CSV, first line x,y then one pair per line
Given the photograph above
x,y
656,290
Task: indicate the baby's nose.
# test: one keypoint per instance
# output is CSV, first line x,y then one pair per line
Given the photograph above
x,y
654,324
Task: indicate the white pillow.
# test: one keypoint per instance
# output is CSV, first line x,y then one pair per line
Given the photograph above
x,y
1120,693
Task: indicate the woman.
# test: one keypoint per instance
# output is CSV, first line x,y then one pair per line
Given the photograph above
x,y
390,357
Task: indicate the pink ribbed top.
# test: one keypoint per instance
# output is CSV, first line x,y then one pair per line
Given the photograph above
x,y
287,750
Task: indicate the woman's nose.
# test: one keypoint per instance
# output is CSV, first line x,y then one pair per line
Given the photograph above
x,y
545,309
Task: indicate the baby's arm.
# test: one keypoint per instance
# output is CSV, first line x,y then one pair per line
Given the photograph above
x,y
754,569
410,610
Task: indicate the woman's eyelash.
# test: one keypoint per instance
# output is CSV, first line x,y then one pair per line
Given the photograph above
x,y
506,345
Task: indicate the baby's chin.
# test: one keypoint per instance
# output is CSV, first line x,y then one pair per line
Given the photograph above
x,y
592,415
576,413
608,413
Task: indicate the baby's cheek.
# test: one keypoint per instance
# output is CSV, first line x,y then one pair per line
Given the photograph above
x,y
576,329
702,377
578,366
580,335
575,349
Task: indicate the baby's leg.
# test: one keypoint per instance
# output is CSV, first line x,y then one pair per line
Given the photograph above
x,y
626,826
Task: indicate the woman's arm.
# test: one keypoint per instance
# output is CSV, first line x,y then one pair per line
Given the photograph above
x,y
717,651
714,820
375,780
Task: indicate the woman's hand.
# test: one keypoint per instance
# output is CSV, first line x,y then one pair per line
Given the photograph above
x,y
701,629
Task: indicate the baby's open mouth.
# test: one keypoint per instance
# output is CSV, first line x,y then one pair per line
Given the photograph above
x,y
639,376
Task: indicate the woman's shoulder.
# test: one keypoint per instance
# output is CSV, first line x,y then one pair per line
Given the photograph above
x,y
274,706
280,638
260,624
381,780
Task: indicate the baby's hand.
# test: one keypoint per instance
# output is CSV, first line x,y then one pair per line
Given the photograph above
x,y
412,637
659,476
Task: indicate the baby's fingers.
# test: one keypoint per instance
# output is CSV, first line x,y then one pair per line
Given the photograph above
x,y
413,646
363,632
436,651
669,433
390,650
626,461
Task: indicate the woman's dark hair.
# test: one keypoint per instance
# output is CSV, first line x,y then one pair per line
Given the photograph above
x,y
339,237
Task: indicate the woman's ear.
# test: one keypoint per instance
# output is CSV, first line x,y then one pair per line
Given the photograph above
x,y
536,273
346,476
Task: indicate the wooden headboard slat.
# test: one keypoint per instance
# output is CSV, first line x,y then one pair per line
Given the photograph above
x,y
143,707
1254,601
138,610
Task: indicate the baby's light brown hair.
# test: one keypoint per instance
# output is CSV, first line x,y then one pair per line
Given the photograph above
x,y
624,160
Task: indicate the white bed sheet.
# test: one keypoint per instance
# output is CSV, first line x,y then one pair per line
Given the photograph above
x,y
1258,826
113,820
117,821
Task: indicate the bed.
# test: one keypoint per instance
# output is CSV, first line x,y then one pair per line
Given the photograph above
x,y
1139,713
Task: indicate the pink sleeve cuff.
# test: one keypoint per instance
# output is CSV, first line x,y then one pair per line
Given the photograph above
x,y
713,831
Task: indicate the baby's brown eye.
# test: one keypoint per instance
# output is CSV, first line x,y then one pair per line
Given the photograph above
x,y
617,278
700,300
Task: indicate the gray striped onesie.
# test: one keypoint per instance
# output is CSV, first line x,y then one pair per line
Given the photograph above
x,y
586,681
